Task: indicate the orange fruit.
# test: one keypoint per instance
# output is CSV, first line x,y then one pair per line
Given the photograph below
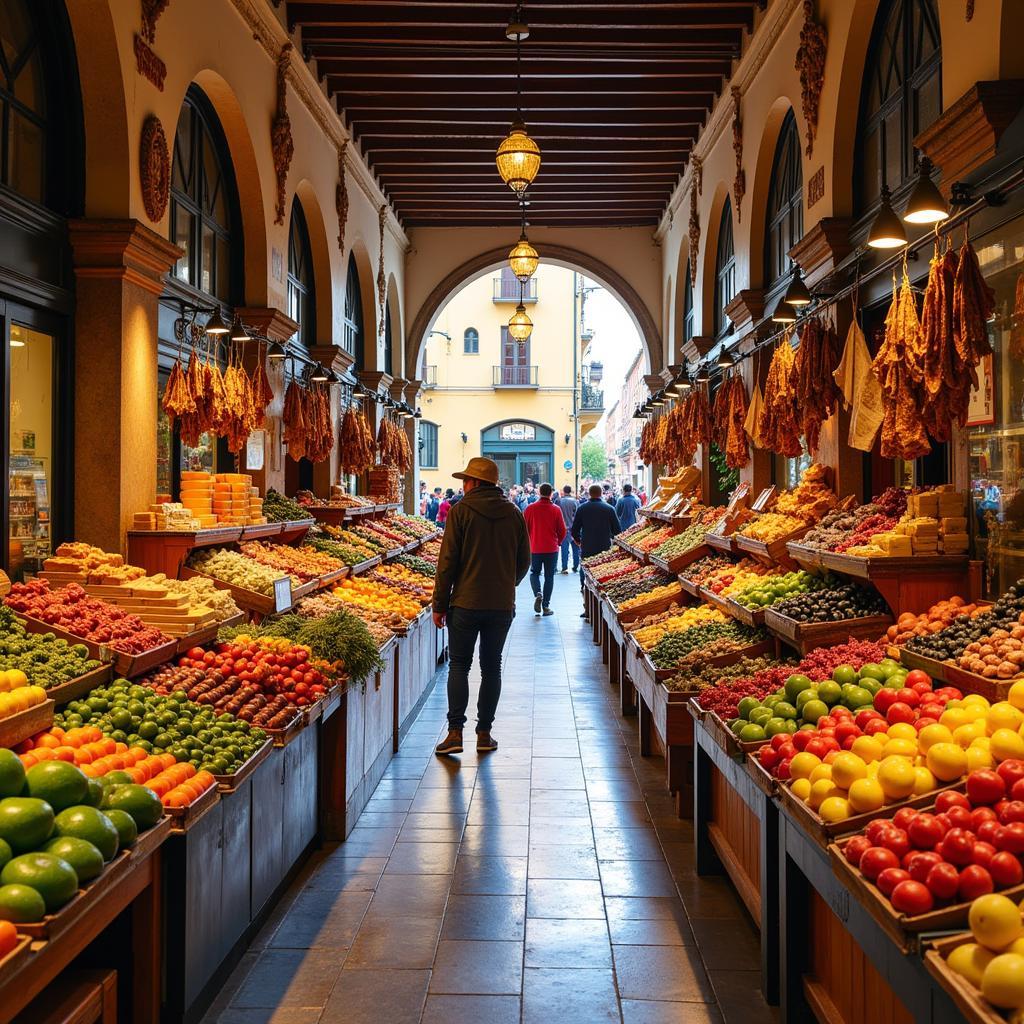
x,y
8,937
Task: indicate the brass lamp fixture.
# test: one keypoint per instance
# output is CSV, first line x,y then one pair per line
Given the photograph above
x,y
518,156
523,259
520,327
797,293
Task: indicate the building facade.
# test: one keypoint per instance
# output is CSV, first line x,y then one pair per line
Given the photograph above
x,y
622,438
527,405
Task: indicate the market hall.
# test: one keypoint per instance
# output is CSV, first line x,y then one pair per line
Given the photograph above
x,y
764,757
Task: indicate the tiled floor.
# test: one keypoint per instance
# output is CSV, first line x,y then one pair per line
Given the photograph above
x,y
547,883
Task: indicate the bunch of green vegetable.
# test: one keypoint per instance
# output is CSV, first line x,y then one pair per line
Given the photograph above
x,y
279,509
45,659
673,647
342,637
287,626
346,552
420,565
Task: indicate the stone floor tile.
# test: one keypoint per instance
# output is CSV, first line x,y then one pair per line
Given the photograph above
x,y
422,859
267,1015
636,878
670,973
474,967
644,1011
569,996
288,978
569,898
484,916
552,942
502,876
496,840
563,861
318,918
627,844
394,996
391,939
728,944
739,997
454,1009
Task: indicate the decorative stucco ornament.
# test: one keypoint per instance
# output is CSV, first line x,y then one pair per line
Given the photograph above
x,y
154,168
281,132
382,281
341,197
810,62
696,186
739,183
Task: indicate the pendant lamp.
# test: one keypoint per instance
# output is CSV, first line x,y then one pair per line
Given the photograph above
x,y
518,156
520,327
925,205
886,230
523,259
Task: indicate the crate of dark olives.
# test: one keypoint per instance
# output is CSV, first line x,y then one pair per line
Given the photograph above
x,y
819,618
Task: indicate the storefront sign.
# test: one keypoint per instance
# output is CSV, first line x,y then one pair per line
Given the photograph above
x,y
567,464
518,432
981,410
254,450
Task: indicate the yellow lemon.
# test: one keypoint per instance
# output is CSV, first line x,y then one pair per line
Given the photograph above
x,y
976,700
847,768
4,684
16,678
947,761
897,776
821,791
873,769
978,714
995,921
952,718
1002,983
924,781
979,757
803,764
866,795
983,742
801,788
834,808
1006,743
1016,695
1003,715
900,748
901,731
932,734
867,748
970,961
965,735
1017,946
821,771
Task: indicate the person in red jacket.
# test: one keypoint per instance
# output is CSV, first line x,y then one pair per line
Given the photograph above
x,y
547,529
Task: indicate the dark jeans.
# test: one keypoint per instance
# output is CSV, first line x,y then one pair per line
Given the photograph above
x,y
464,626
566,544
549,563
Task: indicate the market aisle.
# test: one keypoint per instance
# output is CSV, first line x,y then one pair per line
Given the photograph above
x,y
541,883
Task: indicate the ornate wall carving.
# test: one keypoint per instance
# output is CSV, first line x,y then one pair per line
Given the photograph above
x,y
154,168
696,186
341,197
739,183
281,132
382,281
151,11
810,62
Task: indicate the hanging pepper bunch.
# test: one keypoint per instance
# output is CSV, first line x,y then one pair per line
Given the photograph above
x,y
780,421
817,392
356,443
393,446
307,422
735,446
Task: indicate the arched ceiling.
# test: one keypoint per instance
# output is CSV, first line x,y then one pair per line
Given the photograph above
x,y
614,92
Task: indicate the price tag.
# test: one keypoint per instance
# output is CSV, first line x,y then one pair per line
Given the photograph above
x,y
719,528
762,500
282,594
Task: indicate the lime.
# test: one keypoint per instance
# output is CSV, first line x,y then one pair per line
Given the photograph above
x,y
751,733
795,684
12,773
760,715
785,710
805,695
91,824
813,710
873,671
52,877
775,726
25,822
21,904
141,803
58,783
125,824
80,854
746,705
857,697
829,692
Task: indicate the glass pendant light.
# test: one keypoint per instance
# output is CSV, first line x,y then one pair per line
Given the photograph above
x,y
886,230
520,327
518,156
926,205
523,259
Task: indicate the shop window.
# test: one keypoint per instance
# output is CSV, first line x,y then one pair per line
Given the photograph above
x,y
995,432
471,341
725,271
301,284
900,97
203,200
785,217
353,331
22,103
687,307
428,445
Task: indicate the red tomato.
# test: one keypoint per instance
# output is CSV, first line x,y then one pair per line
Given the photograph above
x,y
777,741
924,721
895,839
909,696
975,881
1005,869
783,772
957,846
986,787
916,676
943,880
925,831
1010,838
890,878
801,739
912,898
987,832
817,747
856,848
904,816
1011,771
980,815
864,716
876,725
876,860
787,750
875,829
959,817
884,699
768,756
949,798
983,854
900,712
948,693
1017,790
1014,811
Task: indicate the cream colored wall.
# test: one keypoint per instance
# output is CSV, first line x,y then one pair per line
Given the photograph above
x,y
465,400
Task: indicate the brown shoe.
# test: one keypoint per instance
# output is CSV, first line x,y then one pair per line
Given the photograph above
x,y
485,742
451,744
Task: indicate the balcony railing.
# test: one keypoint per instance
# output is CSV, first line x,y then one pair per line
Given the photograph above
x,y
623,449
430,376
508,289
592,399
515,376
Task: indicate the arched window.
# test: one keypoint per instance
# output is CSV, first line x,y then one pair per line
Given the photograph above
x,y
785,217
204,205
725,271
22,104
428,445
389,362
471,341
901,95
687,306
301,285
353,339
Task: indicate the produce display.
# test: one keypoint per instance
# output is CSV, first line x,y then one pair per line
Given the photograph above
x,y
303,563
45,661
722,636
372,594
279,509
418,565
137,715
643,580
999,655
833,604
17,694
705,676
237,569
841,530
731,577
770,590
338,499
343,550
770,526
375,540
676,620
419,588
697,572
931,621
680,543
201,593
414,527
669,590
811,499
654,539
71,610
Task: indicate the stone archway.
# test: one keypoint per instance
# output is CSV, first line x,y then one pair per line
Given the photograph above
x,y
562,255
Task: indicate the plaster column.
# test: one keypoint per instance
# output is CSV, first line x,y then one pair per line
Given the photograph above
x,y
119,269
278,327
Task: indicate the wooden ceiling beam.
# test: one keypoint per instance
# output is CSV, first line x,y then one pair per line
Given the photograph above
x,y
375,135
538,118
395,67
533,103
397,85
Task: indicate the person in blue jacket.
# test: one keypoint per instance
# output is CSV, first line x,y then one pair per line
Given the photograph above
x,y
593,527
626,506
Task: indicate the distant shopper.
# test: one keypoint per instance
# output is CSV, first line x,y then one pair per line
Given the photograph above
x,y
594,526
444,508
568,505
484,556
626,506
531,494
642,496
547,530
423,497
433,504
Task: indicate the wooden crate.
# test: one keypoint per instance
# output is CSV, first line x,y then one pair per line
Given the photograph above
x,y
184,817
771,552
969,1001
735,833
726,544
806,636
748,616
16,958
229,783
654,607
677,563
18,727
75,688
262,604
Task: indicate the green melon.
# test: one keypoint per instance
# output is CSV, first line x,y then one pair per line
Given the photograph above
x,y
91,824
25,822
80,854
59,783
53,878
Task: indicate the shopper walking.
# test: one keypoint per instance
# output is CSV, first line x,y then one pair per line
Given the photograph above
x,y
485,554
445,507
434,504
593,527
547,530
567,504
626,506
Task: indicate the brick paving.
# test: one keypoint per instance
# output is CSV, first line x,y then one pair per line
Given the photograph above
x,y
547,882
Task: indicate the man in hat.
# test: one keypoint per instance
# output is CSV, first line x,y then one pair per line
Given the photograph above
x,y
485,554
